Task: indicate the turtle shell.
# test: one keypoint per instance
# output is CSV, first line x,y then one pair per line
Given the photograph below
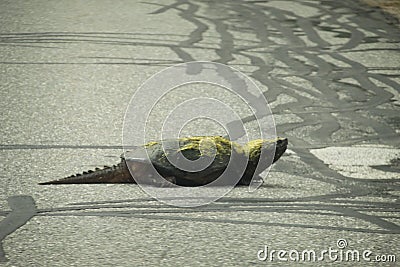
x,y
192,160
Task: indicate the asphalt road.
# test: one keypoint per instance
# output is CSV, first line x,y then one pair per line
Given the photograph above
x,y
329,70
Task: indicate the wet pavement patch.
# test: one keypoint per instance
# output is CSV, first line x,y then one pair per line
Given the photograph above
x,y
394,166
23,208
365,162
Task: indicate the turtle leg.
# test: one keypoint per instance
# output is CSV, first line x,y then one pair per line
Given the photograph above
x,y
145,173
246,180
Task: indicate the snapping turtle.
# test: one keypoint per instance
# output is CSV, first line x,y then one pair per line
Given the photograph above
x,y
173,159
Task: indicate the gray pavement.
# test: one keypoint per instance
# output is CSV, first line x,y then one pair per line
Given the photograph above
x,y
329,69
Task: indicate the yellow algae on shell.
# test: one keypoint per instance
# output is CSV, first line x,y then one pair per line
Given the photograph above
x,y
253,148
218,146
149,144
210,146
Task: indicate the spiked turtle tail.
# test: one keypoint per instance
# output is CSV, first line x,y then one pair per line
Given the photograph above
x,y
116,174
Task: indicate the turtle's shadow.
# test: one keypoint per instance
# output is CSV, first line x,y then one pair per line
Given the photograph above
x,y
23,208
332,205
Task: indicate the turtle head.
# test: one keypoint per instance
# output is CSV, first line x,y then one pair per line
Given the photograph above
x,y
263,152
280,147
